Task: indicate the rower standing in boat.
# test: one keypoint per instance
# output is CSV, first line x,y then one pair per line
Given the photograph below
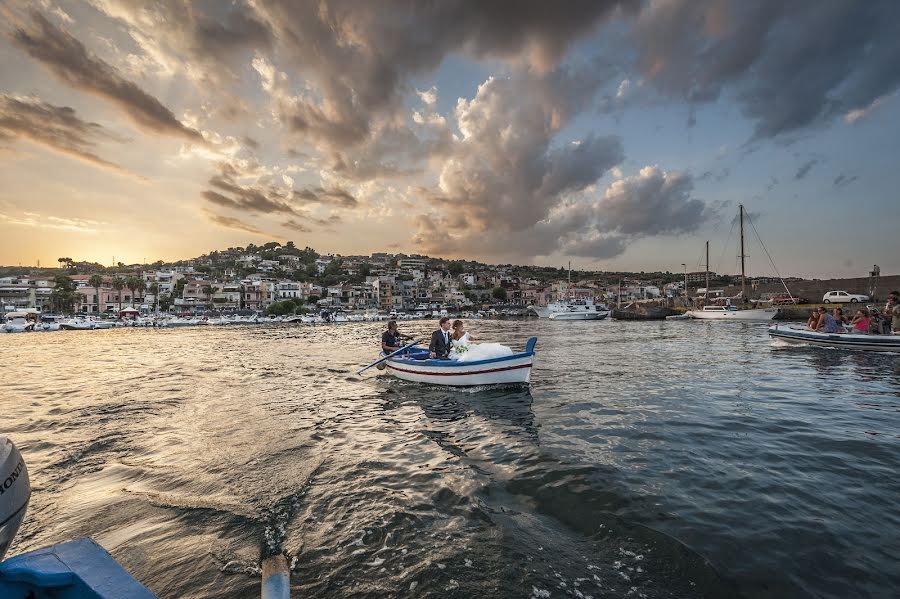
x,y
391,341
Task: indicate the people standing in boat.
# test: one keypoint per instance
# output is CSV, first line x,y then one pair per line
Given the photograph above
x,y
892,312
439,348
392,339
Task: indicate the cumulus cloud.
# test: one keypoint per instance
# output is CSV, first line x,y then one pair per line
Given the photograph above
x,y
790,65
360,54
68,59
205,42
56,127
248,186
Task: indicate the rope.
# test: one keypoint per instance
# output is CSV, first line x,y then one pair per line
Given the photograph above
x,y
772,262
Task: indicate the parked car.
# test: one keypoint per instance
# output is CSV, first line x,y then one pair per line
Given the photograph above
x,y
842,297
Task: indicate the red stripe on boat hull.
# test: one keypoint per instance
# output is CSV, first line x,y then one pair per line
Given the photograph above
x,y
429,373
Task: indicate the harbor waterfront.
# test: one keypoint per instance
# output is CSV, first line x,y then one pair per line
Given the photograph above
x,y
654,459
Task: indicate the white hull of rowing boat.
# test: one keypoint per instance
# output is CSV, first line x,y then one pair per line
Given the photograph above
x,y
798,334
759,314
513,370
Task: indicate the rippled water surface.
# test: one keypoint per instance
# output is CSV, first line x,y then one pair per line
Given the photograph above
x,y
669,459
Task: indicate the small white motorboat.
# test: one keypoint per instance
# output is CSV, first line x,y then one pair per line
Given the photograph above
x,y
579,314
415,365
731,312
77,324
17,322
796,333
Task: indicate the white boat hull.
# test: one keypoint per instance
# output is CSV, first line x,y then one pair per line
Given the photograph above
x,y
799,334
17,328
757,314
598,315
514,369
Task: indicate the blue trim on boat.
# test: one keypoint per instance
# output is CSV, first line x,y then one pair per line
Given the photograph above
x,y
456,364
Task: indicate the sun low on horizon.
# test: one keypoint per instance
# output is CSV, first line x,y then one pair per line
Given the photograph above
x,y
618,135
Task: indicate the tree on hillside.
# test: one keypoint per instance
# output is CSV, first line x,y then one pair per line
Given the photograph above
x,y
499,293
96,281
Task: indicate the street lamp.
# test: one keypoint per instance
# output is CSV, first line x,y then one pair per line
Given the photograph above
x,y
685,279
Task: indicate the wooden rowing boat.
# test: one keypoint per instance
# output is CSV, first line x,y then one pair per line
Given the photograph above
x,y
415,366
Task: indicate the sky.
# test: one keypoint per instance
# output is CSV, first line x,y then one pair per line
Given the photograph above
x,y
612,134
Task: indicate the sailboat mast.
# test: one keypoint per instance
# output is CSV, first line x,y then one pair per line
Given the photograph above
x,y
706,291
743,273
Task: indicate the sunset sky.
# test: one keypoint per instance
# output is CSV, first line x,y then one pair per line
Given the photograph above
x,y
618,135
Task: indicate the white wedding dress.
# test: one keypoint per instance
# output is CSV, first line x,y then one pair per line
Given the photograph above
x,y
463,351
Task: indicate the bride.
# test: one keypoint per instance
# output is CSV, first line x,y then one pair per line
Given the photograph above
x,y
463,350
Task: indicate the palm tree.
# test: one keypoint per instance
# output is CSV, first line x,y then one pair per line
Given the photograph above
x,y
118,284
209,290
141,286
133,284
96,281
154,289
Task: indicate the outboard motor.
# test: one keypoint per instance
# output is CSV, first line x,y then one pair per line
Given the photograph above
x,y
15,490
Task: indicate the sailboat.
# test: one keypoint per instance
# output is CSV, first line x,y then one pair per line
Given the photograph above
x,y
730,311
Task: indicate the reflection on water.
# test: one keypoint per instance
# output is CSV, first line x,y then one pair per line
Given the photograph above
x,y
669,459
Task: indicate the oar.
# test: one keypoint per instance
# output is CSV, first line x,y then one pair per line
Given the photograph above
x,y
416,342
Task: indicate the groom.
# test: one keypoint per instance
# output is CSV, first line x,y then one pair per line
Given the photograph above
x,y
440,341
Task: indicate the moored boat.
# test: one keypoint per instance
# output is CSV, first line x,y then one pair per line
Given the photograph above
x,y
17,322
575,314
416,366
732,313
793,333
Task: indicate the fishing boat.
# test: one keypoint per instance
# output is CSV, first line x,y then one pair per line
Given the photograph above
x,y
794,333
414,365
730,311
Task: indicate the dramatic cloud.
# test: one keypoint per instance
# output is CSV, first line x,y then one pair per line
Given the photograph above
x,y
233,223
789,64
248,186
505,175
360,54
55,127
67,58
205,42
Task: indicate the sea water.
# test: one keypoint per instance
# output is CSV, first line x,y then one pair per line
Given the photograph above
x,y
647,459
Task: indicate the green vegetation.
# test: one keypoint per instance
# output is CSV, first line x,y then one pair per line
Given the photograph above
x,y
286,307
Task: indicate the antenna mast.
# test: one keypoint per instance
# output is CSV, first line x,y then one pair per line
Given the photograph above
x,y
743,272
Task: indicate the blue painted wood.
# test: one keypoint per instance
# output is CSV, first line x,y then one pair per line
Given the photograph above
x,y
529,347
79,569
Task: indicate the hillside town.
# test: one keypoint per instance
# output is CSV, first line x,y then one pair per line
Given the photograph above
x,y
258,278
280,279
